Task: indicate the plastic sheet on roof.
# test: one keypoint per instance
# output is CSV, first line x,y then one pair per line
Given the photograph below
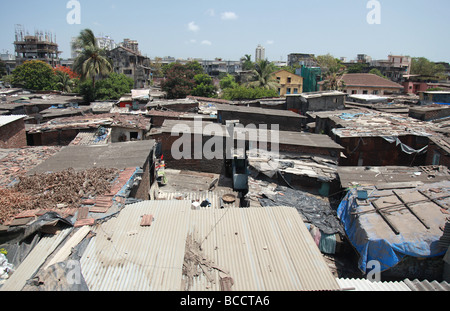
x,y
370,246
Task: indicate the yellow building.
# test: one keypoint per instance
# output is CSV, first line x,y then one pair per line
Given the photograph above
x,y
289,83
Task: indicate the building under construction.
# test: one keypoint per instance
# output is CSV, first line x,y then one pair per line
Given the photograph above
x,y
40,46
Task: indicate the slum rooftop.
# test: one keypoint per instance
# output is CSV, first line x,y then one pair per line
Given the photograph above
x,y
118,155
285,137
367,123
91,121
258,111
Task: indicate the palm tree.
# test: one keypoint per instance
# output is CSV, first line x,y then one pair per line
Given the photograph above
x,y
247,63
333,81
263,76
64,83
92,61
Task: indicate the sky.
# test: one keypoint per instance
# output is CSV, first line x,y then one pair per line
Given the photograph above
x,y
230,29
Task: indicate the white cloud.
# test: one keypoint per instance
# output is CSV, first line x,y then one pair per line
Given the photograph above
x,y
192,41
206,42
193,27
211,12
229,16
270,42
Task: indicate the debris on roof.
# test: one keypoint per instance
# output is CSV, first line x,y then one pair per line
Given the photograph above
x,y
390,225
15,163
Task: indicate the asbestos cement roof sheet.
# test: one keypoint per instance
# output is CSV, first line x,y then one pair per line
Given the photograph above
x,y
365,285
118,155
261,249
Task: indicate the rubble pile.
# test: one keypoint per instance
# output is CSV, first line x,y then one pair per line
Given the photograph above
x,y
14,163
51,191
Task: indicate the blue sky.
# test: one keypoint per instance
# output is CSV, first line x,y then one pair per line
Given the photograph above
x,y
230,29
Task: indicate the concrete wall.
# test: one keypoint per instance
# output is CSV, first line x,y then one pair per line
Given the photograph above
x,y
286,123
324,103
370,90
13,135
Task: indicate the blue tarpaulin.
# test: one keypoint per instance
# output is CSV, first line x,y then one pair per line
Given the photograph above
x,y
373,242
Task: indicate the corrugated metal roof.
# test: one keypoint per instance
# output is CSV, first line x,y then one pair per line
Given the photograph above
x,y
365,285
262,249
213,197
421,286
34,261
362,285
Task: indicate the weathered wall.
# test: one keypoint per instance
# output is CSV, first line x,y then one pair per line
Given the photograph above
x,y
323,103
376,151
286,123
13,135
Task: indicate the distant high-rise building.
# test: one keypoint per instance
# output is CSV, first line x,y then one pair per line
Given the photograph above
x,y
260,53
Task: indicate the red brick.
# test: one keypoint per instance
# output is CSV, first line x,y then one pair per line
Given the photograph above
x,y
85,222
146,220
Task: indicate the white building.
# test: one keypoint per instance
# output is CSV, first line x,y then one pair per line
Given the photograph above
x,y
260,53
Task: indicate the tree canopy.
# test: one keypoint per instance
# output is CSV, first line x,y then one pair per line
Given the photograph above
x,y
92,61
424,67
34,75
179,81
204,86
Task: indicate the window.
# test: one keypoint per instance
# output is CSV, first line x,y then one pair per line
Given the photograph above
x,y
354,92
365,92
289,80
279,91
128,71
295,91
375,92
288,91
279,79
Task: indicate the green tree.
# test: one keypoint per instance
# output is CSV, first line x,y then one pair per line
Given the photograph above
x,y
113,87
422,66
204,86
92,61
228,82
63,82
333,81
241,93
179,81
247,63
328,63
2,68
358,68
263,76
195,66
156,67
34,75
377,72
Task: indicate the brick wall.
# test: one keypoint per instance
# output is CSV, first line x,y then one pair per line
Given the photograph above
x,y
376,151
13,135
444,157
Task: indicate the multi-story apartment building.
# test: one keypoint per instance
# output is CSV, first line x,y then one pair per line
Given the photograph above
x,y
131,64
40,46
